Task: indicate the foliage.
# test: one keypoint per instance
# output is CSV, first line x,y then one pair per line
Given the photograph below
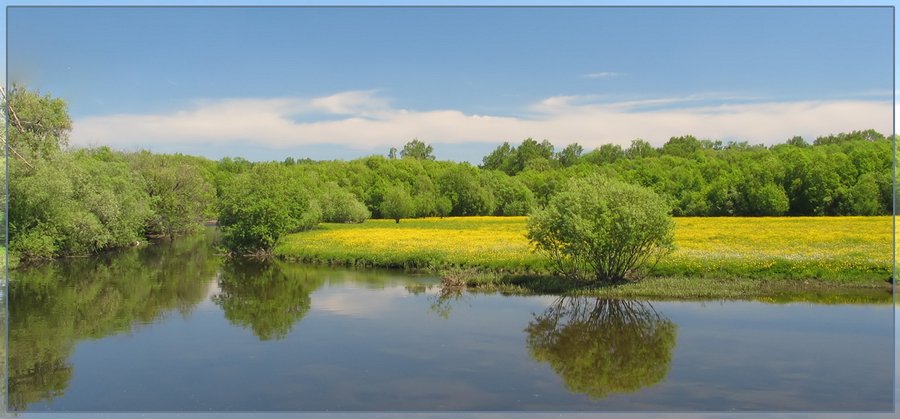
x,y
603,346
463,185
602,229
258,206
180,195
397,204
417,149
44,119
341,206
75,204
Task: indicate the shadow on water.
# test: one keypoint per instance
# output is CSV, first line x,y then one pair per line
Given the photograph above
x,y
603,346
54,306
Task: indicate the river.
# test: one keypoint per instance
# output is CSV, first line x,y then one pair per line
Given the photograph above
x,y
173,327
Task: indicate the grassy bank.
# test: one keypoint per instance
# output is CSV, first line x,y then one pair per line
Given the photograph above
x,y
735,256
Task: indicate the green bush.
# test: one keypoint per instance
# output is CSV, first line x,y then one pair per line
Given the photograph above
x,y
181,198
341,206
75,204
602,229
258,206
397,203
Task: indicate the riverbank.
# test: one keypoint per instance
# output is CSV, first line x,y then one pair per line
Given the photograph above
x,y
733,257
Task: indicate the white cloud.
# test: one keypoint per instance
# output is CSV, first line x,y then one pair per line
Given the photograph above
x,y
364,120
602,75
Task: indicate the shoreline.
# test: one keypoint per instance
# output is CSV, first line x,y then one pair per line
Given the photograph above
x,y
677,287
714,257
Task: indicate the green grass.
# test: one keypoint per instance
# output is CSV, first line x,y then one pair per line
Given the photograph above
x,y
730,257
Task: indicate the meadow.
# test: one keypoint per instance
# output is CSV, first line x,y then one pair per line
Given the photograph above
x,y
739,252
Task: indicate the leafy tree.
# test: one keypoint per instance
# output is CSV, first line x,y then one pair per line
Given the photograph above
x,y
640,149
417,149
569,155
181,197
261,205
512,196
443,206
684,146
462,184
865,196
502,158
603,346
44,119
605,154
602,229
767,199
75,204
531,150
340,206
797,141
397,204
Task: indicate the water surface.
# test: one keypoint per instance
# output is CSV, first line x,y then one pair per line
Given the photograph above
x,y
171,327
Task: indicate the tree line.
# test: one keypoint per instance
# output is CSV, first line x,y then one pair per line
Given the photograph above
x,y
72,201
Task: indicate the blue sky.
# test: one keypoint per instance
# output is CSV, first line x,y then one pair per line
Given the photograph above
x,y
327,83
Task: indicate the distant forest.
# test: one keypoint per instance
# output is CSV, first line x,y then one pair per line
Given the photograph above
x,y
73,201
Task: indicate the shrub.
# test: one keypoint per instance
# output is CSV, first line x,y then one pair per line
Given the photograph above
x,y
602,229
341,206
259,206
397,204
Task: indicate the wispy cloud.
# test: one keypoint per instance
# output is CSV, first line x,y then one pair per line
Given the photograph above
x,y
603,74
366,120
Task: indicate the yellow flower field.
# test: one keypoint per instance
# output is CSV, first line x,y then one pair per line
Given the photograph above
x,y
792,247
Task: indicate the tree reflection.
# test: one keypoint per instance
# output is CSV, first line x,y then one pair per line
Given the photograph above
x,y
443,301
268,298
603,346
53,307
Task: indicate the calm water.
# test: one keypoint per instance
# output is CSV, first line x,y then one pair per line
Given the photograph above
x,y
170,327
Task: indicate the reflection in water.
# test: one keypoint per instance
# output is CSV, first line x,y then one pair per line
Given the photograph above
x,y
603,346
268,298
445,298
54,306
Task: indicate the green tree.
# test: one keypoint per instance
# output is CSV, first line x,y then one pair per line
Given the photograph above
x,y
602,229
640,149
340,206
75,203
44,120
181,197
502,158
603,346
261,205
865,196
569,155
605,154
462,184
797,141
684,146
397,203
443,206
530,151
417,149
